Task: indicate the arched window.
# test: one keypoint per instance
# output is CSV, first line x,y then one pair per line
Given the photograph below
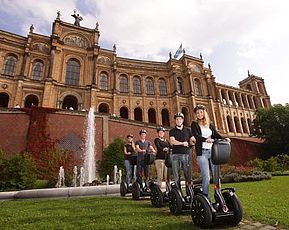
x,y
4,100
249,87
180,86
223,94
186,114
237,124
138,114
123,112
244,125
136,85
245,101
103,81
123,84
249,125
70,102
162,87
10,65
197,85
37,70
31,100
230,125
150,86
152,116
72,72
103,108
165,117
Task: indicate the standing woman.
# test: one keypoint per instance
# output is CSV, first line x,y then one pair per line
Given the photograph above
x,y
205,133
129,151
163,147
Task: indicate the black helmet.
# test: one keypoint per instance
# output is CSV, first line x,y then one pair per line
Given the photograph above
x,y
160,129
129,135
199,107
142,131
179,114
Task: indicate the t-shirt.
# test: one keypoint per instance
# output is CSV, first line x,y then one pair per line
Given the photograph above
x,y
206,133
129,149
161,144
181,135
142,145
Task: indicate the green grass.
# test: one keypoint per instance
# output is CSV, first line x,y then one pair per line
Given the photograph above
x,y
265,201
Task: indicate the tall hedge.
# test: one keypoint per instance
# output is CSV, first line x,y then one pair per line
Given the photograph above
x,y
112,155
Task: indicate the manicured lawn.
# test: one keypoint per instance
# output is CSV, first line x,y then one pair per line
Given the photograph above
x,y
266,201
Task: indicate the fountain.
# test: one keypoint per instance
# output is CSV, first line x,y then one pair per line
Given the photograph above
x,y
81,177
60,182
74,180
89,154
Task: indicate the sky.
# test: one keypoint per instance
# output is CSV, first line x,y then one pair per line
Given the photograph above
x,y
234,36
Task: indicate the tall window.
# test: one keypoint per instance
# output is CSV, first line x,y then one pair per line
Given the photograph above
x,y
123,84
72,72
37,69
197,84
103,81
150,86
162,87
180,85
136,85
10,66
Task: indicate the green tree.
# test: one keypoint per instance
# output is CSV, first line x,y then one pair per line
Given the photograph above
x,y
112,155
272,124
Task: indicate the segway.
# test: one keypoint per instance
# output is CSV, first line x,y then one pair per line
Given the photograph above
x,y
180,202
158,197
139,190
226,208
127,188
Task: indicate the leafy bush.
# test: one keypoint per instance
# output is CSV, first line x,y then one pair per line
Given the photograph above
x,y
112,155
16,172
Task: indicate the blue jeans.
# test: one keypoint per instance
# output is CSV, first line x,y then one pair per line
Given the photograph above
x,y
204,162
128,171
182,161
141,170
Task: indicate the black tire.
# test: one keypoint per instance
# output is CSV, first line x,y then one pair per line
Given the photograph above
x,y
234,204
135,191
201,212
123,188
156,197
175,202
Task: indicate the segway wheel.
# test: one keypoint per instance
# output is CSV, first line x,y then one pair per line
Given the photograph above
x,y
234,205
135,191
201,212
175,202
123,188
156,197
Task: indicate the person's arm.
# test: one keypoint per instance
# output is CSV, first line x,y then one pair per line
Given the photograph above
x,y
175,142
158,144
138,149
133,146
195,133
215,134
151,148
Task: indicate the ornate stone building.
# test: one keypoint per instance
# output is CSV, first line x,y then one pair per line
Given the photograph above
x,y
69,70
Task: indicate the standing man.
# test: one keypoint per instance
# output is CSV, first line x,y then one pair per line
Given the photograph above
x,y
143,147
181,139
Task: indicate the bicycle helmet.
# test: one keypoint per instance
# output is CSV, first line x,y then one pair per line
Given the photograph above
x,y
161,129
142,131
179,114
199,107
129,135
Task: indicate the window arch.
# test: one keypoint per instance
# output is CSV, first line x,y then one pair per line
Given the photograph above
x,y
136,85
10,65
123,83
4,100
69,102
72,72
138,114
162,87
230,125
248,87
237,124
37,70
244,125
103,82
123,112
165,117
180,86
150,86
103,108
197,85
152,116
31,100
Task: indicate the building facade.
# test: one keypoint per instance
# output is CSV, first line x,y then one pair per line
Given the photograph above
x,y
69,70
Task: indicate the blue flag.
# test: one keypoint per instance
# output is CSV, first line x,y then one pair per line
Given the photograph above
x,y
179,51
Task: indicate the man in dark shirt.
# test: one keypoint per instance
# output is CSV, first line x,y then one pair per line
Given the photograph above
x,y
181,139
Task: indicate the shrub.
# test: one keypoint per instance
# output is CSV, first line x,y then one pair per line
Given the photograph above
x,y
16,172
278,163
112,155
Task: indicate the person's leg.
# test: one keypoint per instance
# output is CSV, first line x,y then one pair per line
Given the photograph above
x,y
139,172
175,169
165,171
158,165
187,167
128,169
203,163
